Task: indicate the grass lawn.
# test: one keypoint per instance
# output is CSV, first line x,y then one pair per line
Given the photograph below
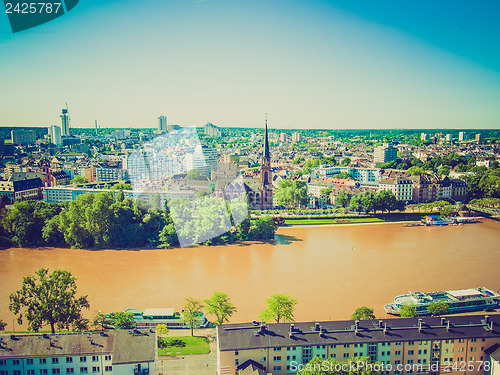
x,y
193,345
331,221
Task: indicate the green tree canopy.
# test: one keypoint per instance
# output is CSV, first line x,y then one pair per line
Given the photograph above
x,y
438,308
2,325
122,320
191,313
121,186
48,299
280,307
101,321
408,311
162,330
220,306
363,312
79,180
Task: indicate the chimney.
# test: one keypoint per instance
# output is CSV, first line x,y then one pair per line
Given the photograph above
x,y
316,326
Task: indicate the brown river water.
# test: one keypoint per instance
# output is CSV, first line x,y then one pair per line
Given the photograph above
x,y
330,270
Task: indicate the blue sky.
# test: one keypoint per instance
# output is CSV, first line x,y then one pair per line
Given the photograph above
x,y
308,64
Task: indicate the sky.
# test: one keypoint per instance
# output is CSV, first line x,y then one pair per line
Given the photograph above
x,y
346,64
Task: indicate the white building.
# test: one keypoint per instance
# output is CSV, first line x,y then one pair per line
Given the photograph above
x,y
384,153
360,174
401,187
463,136
55,135
65,132
125,352
296,137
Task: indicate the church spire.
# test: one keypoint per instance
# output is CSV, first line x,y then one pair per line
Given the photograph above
x,y
266,143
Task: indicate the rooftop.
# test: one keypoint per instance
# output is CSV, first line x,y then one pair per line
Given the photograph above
x,y
126,346
254,335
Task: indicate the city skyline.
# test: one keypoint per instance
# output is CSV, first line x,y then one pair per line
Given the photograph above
x,y
321,64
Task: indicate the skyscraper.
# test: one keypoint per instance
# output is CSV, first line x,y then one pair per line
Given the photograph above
x,y
55,135
65,132
162,124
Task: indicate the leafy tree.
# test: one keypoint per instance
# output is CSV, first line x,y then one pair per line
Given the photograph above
x,y
48,299
79,180
220,306
263,228
2,325
356,203
346,161
280,307
81,325
343,175
438,308
191,312
343,199
121,186
363,312
408,311
51,232
122,320
101,320
162,330
194,174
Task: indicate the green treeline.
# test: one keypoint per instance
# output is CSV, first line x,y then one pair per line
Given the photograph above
x,y
108,220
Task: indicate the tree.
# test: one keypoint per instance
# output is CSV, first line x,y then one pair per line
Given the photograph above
x,y
220,306
48,299
194,174
343,199
191,313
162,330
121,186
438,308
263,228
346,161
79,180
122,320
408,311
279,307
101,320
363,312
2,325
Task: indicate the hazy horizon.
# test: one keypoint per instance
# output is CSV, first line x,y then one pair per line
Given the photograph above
x,y
308,64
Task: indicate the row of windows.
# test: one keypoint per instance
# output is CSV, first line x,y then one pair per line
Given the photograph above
x,y
55,360
55,371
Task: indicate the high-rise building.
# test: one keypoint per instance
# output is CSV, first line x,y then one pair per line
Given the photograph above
x,y
212,130
23,137
296,137
384,153
448,137
65,131
55,135
462,136
283,137
424,137
479,137
162,124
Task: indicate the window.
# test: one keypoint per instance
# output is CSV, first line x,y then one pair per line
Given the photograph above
x,y
43,361
2,362
70,370
55,360
425,351
419,352
95,369
460,340
473,340
30,372
277,349
95,358
346,345
107,358
43,371
83,359
346,355
333,356
83,370
397,352
277,358
236,362
472,349
55,371
277,368
17,372
410,352
398,344
411,343
263,359
15,362
69,359
108,368
4,372
294,357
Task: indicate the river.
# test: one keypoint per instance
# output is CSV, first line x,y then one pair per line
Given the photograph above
x,y
330,270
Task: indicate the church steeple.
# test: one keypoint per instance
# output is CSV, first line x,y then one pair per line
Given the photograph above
x,y
266,143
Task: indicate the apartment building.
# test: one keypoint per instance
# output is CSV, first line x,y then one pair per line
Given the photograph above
x,y
401,187
132,352
429,345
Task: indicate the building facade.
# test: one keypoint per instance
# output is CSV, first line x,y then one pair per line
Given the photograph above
x,y
108,353
384,154
23,137
430,345
162,124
